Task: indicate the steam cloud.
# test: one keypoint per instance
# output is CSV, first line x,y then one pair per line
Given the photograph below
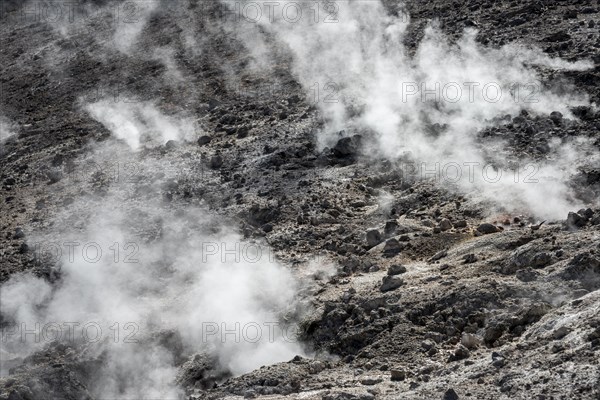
x,y
181,280
173,287
134,122
372,84
156,269
6,131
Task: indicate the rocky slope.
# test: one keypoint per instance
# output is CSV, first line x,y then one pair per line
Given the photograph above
x,y
419,291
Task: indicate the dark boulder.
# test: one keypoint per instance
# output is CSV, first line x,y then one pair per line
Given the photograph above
x,y
390,283
204,140
575,220
392,247
373,237
348,146
486,228
396,269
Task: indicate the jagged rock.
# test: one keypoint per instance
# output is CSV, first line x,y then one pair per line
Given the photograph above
x,y
348,396
267,228
523,258
427,344
428,223
460,353
259,216
493,332
556,117
199,372
204,140
526,275
373,237
392,247
19,234
470,258
445,224
228,119
390,283
438,256
398,375
54,176
316,367
560,36
587,213
216,161
575,220
390,227
498,359
242,132
540,260
347,146
450,395
584,267
560,333
171,144
370,381
460,224
396,269
487,228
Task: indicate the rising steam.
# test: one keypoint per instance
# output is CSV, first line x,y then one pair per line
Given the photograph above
x,y
155,269
430,104
167,279
140,122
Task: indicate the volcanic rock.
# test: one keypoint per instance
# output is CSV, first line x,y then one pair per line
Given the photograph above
x,y
204,140
390,283
487,228
445,224
392,247
575,220
216,161
396,269
373,237
347,146
450,395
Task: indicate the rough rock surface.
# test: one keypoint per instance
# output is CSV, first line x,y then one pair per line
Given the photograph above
x,y
480,311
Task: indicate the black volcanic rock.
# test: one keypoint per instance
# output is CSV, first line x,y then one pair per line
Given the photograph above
x,y
348,146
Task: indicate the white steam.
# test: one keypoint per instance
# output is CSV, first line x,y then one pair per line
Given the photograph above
x,y
428,104
6,129
166,56
373,85
140,122
132,17
157,269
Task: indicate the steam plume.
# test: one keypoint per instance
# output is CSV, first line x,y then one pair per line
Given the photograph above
x,y
430,105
